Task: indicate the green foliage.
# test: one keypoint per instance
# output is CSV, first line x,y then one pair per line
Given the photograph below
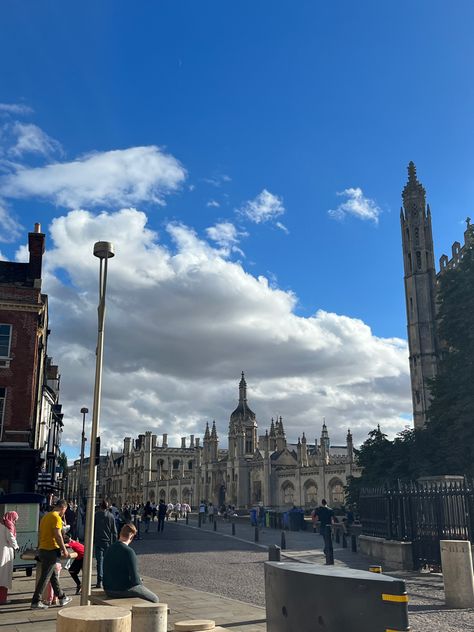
x,y
62,462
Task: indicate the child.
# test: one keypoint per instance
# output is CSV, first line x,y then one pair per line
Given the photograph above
x,y
76,565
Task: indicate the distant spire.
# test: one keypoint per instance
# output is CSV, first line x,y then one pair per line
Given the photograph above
x,y
282,430
214,431
272,428
243,390
411,172
303,439
207,433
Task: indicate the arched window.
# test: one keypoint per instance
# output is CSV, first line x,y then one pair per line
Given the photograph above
x,y
336,492
310,493
190,465
288,493
176,464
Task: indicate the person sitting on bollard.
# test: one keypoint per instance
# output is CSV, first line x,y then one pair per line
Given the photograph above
x,y
326,518
121,578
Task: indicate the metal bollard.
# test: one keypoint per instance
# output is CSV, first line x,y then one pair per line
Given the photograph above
x,y
215,524
233,528
199,519
256,534
283,541
176,517
353,544
344,541
187,518
274,553
338,535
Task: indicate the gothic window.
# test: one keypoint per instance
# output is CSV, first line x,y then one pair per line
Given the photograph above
x,y
190,465
417,236
336,492
176,465
418,259
288,493
248,441
310,493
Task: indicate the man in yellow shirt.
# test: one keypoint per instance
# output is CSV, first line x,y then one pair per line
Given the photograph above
x,y
50,548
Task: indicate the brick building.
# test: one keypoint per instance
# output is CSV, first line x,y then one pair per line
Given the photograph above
x,y
30,415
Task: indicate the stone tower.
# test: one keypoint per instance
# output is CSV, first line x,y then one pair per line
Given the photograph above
x,y
420,293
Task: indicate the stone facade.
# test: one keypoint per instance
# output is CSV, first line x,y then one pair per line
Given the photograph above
x,y
421,288
253,470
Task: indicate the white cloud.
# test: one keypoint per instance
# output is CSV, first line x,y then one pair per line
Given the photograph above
x,y
357,205
226,235
217,180
31,139
10,228
265,207
282,227
181,325
120,177
15,108
213,203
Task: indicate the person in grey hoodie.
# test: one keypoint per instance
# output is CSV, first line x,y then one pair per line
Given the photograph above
x,y
105,534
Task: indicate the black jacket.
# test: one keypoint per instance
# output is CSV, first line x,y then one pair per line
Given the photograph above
x,y
105,531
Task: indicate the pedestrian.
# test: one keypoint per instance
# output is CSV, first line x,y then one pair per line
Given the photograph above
x,y
326,518
210,511
70,519
8,546
202,511
146,514
169,509
121,578
76,566
105,534
178,508
162,510
50,547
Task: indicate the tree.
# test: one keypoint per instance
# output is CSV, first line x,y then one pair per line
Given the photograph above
x,y
450,428
62,462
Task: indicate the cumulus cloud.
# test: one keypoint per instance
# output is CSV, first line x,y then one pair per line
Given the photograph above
x,y
213,203
10,228
265,207
356,205
112,178
31,139
183,321
226,235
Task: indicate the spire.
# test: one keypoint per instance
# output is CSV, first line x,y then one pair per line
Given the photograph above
x,y
282,430
207,433
412,172
303,438
214,431
413,194
272,428
243,390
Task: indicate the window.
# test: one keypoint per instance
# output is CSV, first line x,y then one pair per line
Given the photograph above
x,y
418,259
2,409
5,339
248,441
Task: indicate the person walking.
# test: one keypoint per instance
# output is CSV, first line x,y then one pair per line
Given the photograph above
x,y
162,510
8,546
121,578
326,518
105,534
50,547
146,514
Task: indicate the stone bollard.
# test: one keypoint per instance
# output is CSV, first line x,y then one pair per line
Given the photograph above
x,y
233,528
353,543
283,541
456,562
274,553
148,617
94,619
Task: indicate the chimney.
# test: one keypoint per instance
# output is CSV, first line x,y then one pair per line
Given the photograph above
x,y
197,441
165,440
36,245
191,441
183,442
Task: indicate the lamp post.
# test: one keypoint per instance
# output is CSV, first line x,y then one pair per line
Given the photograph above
x,y
104,250
84,412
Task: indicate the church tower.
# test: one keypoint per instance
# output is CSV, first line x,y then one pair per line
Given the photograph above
x,y
420,293
243,423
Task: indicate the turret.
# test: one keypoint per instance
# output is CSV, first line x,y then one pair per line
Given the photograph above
x,y
280,435
304,451
213,443
206,445
325,443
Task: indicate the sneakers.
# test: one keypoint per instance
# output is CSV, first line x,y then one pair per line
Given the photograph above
x,y
64,600
39,606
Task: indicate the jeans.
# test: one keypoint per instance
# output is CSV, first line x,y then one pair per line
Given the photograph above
x,y
100,550
161,523
135,591
48,561
328,550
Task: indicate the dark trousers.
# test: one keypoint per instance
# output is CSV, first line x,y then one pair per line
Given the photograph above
x,y
328,550
100,550
161,523
48,560
140,591
75,569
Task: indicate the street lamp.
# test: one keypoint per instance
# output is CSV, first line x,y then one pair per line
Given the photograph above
x,y
84,412
104,250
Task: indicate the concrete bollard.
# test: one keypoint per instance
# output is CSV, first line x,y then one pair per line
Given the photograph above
x,y
94,619
256,534
283,541
195,625
456,562
274,553
353,544
149,617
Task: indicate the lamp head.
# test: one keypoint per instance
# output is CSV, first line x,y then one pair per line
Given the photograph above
x,y
104,249
84,410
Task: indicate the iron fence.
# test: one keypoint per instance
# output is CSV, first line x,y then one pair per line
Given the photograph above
x,y
420,512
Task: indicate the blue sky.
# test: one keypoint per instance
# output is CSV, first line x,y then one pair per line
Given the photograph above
x,y
303,101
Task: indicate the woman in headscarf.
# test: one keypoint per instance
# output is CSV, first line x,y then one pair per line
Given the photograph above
x,y
8,546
